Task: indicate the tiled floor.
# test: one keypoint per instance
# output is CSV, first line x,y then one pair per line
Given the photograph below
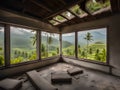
x,y
89,80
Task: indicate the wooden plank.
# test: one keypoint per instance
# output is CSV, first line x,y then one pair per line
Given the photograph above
x,y
63,9
41,5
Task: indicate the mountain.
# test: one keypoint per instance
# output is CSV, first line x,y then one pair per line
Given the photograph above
x,y
21,38
98,35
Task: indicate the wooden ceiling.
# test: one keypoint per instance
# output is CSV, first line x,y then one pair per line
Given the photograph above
x,y
45,10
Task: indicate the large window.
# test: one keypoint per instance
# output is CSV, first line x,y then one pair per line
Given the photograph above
x,y
92,44
49,44
1,46
68,44
23,45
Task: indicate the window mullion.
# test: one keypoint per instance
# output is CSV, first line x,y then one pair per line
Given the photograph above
x,y
7,45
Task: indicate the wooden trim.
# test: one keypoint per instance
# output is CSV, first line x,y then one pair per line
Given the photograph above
x,y
7,45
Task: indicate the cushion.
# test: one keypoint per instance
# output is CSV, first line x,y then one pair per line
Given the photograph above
x,y
39,82
74,71
60,78
10,84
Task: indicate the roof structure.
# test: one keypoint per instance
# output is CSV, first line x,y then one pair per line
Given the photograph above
x,y
60,13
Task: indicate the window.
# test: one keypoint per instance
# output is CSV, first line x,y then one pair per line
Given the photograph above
x,y
54,22
60,18
23,45
68,44
1,46
92,44
49,44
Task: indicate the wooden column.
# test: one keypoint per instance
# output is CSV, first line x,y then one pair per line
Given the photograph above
x,y
76,44
60,45
7,45
115,5
38,45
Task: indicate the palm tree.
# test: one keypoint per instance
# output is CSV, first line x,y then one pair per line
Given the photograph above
x,y
88,38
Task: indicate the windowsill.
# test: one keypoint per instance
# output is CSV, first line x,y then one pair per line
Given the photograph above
x,y
26,63
87,60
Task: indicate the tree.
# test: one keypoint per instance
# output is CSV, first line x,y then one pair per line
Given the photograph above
x,y
97,56
57,50
79,50
83,54
88,38
90,51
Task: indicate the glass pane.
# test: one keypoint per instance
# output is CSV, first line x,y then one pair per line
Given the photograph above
x,y
68,44
1,46
98,7
23,45
92,44
60,18
68,15
76,9
49,44
54,22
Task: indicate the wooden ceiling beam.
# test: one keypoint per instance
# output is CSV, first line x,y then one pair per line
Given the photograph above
x,y
63,16
63,9
41,5
62,1
73,13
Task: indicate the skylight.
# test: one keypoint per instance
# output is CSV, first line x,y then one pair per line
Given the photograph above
x,y
76,10
60,18
68,15
95,7
54,22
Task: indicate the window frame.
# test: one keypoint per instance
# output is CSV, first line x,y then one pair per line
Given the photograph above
x,y
47,58
72,57
107,46
17,26
2,25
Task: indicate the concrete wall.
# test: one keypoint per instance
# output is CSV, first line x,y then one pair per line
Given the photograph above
x,y
23,68
113,24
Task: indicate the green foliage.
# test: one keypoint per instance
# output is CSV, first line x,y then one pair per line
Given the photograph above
x,y
0,48
92,7
1,60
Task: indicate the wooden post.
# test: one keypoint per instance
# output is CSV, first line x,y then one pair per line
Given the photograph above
x,y
60,44
38,45
7,45
76,44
